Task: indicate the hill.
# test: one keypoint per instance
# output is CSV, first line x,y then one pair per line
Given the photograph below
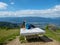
x,y
29,19
8,25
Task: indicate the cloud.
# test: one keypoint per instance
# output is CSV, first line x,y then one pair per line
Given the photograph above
x,y
12,3
3,5
48,13
52,12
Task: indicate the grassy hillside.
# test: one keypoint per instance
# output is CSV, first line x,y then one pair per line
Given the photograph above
x,y
8,35
53,35
8,31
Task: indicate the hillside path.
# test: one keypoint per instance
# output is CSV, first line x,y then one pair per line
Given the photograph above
x,y
14,42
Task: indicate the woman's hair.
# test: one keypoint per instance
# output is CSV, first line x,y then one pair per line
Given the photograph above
x,y
23,24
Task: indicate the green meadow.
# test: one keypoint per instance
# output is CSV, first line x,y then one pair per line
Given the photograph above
x,y
53,35
8,35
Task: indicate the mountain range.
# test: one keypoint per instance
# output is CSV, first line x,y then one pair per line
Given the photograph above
x,y
40,20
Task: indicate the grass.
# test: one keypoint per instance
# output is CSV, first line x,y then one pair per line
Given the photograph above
x,y
58,31
22,39
8,35
53,35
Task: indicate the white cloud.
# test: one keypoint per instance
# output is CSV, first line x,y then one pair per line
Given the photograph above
x,y
52,12
3,5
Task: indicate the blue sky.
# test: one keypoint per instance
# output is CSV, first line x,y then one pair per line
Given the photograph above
x,y
20,8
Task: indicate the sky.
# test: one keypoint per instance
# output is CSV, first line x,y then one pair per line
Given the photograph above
x,y
32,8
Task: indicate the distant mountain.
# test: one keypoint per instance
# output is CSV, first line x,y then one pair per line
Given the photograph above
x,y
31,19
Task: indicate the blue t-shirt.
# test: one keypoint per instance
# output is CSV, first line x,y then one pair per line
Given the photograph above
x,y
27,26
